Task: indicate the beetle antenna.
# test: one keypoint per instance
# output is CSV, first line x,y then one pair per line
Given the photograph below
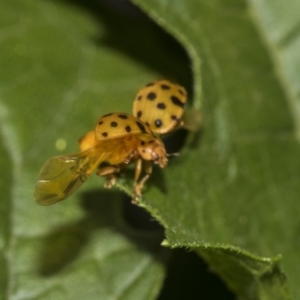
x,y
173,154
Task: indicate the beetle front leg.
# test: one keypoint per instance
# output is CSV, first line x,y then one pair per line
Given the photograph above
x,y
138,185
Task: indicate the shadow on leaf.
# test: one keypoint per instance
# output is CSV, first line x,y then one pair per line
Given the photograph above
x,y
130,31
189,277
104,209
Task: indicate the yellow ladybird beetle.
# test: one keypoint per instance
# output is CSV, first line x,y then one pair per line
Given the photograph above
x,y
118,140
160,105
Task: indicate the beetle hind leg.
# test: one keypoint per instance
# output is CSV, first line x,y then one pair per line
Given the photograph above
x,y
110,173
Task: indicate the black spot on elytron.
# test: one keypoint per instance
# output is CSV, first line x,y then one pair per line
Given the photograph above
x,y
165,87
106,115
151,96
147,123
181,92
177,101
128,128
141,126
175,118
100,122
139,98
158,122
139,114
105,134
161,105
142,143
123,117
150,84
113,124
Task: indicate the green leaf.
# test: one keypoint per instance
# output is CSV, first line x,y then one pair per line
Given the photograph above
x,y
232,194
238,187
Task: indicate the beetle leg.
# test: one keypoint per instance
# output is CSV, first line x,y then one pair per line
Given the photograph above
x,y
138,185
110,173
129,158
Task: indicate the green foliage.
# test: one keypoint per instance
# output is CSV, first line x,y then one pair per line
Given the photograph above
x,y
231,197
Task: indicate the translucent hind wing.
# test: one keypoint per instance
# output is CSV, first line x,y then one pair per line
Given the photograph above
x,y
61,176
